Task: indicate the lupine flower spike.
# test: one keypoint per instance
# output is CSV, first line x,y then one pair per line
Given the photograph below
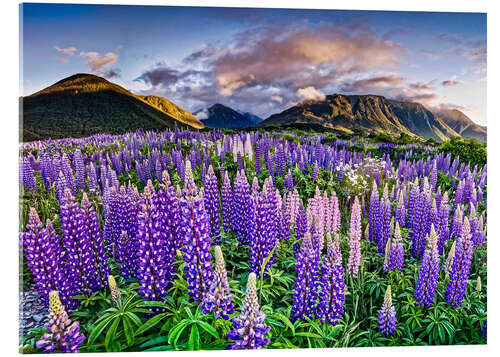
x,y
218,297
429,272
63,335
387,315
116,296
249,327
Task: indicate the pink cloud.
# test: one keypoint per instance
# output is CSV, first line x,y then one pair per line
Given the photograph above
x,y
269,55
96,62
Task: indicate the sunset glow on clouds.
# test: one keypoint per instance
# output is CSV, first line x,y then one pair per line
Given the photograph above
x,y
263,60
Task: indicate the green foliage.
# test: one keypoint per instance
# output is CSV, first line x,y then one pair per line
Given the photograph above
x,y
469,150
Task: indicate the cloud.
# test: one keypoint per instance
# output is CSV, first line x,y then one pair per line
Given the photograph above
x,y
161,75
421,86
453,81
202,115
96,62
272,55
377,82
310,93
111,73
68,51
277,99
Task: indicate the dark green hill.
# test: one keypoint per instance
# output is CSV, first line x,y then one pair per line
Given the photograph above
x,y
85,104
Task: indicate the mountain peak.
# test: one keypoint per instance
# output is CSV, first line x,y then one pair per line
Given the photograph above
x,y
221,116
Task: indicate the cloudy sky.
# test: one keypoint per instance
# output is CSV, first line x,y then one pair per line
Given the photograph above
x,y
260,60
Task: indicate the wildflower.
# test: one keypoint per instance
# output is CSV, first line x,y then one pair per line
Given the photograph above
x,y
429,272
387,315
459,273
218,298
306,282
354,239
331,298
63,335
113,288
249,328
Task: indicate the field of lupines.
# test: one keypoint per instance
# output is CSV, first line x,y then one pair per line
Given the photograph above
x,y
185,240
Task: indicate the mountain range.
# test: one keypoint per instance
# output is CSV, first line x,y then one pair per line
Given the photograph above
x,y
370,113
462,124
85,104
219,116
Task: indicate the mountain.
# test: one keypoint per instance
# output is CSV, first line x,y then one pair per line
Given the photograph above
x,y
462,124
85,104
371,113
220,116
252,117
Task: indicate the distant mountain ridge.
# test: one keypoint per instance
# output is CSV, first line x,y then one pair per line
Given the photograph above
x,y
252,117
220,116
86,104
371,113
462,124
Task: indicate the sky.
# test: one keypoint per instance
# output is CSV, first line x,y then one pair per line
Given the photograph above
x,y
261,61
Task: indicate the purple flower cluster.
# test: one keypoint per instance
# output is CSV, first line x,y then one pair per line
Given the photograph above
x,y
212,204
305,294
429,272
249,328
195,233
331,297
387,315
42,248
459,273
155,256
395,254
63,335
218,298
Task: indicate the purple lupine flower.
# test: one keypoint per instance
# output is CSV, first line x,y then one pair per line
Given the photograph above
x,y
421,223
315,171
434,175
387,315
196,239
459,274
384,221
218,298
451,256
372,219
249,327
153,267
443,216
227,202
241,207
212,204
92,178
79,169
354,239
43,253
396,251
429,272
306,283
331,298
288,182
260,236
93,229
26,175
80,267
401,210
63,335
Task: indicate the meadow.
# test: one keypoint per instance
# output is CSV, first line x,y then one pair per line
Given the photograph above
x,y
202,240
